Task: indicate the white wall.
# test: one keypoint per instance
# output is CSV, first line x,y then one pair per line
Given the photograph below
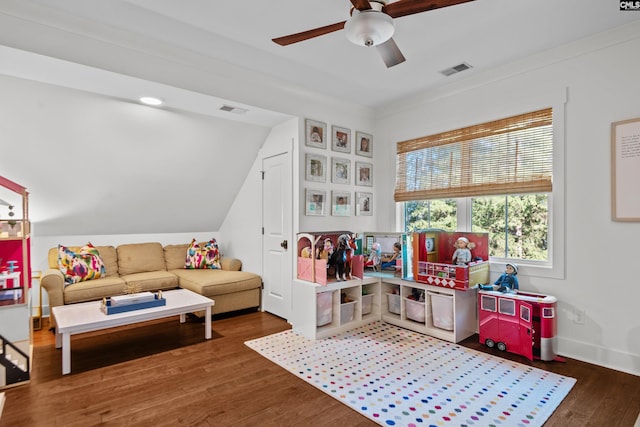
x,y
599,77
99,165
241,230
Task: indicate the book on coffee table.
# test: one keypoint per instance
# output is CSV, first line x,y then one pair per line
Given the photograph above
x,y
132,298
108,307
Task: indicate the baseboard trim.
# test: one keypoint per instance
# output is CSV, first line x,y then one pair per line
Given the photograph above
x,y
599,355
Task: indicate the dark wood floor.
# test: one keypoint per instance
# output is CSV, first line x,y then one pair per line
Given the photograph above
x,y
163,373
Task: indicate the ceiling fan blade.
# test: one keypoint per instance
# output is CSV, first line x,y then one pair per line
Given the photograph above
x,y
361,4
390,53
309,34
411,7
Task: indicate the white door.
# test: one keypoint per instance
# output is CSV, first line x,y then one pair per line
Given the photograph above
x,y
277,240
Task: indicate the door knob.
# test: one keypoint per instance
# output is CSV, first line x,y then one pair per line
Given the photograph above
x,y
284,244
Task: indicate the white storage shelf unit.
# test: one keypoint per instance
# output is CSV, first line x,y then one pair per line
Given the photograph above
x,y
310,317
454,311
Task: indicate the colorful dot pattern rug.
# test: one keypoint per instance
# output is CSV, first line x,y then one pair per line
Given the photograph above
x,y
397,377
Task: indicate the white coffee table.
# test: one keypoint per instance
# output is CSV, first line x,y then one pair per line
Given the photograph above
x,y
87,317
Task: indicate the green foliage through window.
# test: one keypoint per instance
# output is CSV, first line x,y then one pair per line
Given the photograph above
x,y
517,224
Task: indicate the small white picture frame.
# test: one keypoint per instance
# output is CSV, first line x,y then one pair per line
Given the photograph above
x,y
316,134
341,203
364,204
340,170
341,139
364,144
364,174
315,202
315,168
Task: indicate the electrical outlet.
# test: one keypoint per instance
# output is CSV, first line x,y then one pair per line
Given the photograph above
x,y
578,316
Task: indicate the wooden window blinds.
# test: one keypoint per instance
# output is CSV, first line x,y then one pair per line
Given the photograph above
x,y
507,156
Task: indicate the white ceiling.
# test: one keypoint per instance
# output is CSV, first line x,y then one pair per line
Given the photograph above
x,y
482,33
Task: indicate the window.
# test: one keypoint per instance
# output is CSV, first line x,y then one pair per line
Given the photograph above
x,y
488,303
507,306
495,177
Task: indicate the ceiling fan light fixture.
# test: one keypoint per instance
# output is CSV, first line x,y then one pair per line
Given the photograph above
x,y
369,28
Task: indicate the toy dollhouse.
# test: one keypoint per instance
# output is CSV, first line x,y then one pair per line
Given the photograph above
x,y
15,279
432,259
314,250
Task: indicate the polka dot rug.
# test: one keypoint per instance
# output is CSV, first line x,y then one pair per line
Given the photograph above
x,y
397,377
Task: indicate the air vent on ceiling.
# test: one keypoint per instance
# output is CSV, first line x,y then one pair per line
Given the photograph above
x,y
232,109
456,69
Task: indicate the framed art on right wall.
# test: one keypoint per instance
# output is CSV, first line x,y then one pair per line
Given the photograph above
x,y
625,170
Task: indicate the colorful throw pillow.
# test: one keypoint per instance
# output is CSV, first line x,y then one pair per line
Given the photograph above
x,y
207,256
84,265
212,254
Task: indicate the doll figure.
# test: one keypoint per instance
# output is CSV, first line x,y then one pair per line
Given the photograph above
x,y
506,283
306,252
375,257
327,250
462,254
390,262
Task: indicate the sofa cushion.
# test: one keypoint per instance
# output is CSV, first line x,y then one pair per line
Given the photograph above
x,y
217,282
94,290
151,280
202,255
140,257
85,264
174,256
107,253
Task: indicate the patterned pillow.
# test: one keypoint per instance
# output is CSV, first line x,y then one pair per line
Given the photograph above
x,y
207,256
82,266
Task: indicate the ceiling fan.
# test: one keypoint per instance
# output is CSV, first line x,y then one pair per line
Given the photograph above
x,y
371,24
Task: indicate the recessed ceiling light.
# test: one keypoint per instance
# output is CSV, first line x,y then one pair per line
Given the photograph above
x,y
150,100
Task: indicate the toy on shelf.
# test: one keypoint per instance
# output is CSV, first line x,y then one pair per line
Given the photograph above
x,y
434,253
523,323
507,282
323,259
342,257
326,250
13,266
375,257
462,254
385,247
392,261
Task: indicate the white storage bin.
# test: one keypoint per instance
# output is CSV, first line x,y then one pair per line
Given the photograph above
x,y
442,311
394,303
324,309
415,310
347,311
367,301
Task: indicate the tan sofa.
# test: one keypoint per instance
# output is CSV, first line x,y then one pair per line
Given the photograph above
x,y
152,267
